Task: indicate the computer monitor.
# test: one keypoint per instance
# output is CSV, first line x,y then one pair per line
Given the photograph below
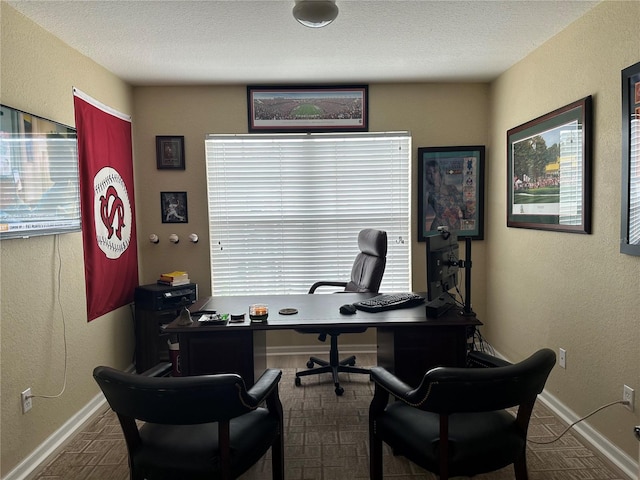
x,y
442,263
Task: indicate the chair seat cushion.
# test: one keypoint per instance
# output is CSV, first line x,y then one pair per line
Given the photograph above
x,y
170,450
487,441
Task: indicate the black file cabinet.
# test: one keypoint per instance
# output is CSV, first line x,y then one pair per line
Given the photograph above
x,y
155,307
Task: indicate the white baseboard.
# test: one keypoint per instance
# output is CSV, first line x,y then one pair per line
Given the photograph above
x,y
57,440
72,426
320,349
616,456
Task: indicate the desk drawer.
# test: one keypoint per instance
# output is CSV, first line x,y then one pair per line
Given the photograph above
x,y
241,352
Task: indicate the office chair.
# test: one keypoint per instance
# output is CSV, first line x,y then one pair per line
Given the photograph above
x,y
455,423
366,276
199,427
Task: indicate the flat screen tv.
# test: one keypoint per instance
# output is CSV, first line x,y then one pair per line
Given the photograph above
x,y
443,262
39,182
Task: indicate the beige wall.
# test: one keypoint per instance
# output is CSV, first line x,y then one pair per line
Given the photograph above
x,y
431,112
37,75
531,288
560,289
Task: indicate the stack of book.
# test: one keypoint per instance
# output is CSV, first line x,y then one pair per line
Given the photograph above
x,y
174,279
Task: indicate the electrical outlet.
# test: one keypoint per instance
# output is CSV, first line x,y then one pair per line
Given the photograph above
x,y
628,396
562,358
27,402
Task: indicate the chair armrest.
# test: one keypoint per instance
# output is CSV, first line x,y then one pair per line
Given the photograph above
x,y
387,383
160,370
390,383
265,385
327,283
484,360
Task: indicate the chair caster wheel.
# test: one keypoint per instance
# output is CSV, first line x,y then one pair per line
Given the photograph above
x,y
310,364
298,382
339,391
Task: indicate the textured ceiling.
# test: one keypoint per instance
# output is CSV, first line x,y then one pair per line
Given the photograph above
x,y
148,42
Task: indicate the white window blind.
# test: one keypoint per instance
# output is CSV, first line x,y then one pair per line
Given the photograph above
x,y
634,183
285,210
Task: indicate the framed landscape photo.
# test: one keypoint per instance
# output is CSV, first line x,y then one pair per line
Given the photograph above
x,y
451,191
630,215
308,109
549,171
170,152
173,206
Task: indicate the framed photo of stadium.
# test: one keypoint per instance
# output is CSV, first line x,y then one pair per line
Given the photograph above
x,y
303,109
549,171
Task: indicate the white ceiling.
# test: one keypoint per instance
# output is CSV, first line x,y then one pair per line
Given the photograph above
x,y
152,42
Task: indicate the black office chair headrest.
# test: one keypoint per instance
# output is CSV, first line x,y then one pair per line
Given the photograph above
x,y
373,242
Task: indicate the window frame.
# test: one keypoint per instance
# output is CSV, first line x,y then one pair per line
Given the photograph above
x,y
221,187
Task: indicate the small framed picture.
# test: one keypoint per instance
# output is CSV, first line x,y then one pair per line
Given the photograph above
x,y
173,206
170,153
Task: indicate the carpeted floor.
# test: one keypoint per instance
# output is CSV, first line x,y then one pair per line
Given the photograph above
x,y
326,438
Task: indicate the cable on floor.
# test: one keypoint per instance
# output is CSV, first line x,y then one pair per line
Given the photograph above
x,y
623,402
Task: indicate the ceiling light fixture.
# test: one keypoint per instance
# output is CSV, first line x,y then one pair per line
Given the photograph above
x,y
315,13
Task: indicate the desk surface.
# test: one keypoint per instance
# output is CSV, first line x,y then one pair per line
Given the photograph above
x,y
316,310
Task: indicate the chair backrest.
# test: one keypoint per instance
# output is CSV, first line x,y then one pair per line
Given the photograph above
x,y
368,267
174,400
455,390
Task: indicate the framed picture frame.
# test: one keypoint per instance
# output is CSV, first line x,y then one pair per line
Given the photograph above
x,y
451,191
549,170
173,207
308,109
630,204
170,152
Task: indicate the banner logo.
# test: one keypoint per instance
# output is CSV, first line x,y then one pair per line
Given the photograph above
x,y
112,213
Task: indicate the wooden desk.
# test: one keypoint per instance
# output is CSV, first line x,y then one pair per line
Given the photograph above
x,y
409,343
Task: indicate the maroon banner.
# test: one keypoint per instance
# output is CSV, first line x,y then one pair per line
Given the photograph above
x,y
107,205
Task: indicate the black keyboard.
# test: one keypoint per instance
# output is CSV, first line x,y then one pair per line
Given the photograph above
x,y
391,301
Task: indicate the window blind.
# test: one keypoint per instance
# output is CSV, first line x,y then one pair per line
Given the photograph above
x,y
634,182
285,210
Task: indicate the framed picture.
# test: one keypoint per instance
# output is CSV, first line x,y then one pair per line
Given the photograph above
x,y
549,171
630,218
451,191
173,206
308,109
170,153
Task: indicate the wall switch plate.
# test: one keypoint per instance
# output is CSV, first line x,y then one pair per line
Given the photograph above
x,y
562,358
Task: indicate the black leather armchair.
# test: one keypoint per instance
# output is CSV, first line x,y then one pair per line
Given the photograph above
x,y
455,423
366,276
199,427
